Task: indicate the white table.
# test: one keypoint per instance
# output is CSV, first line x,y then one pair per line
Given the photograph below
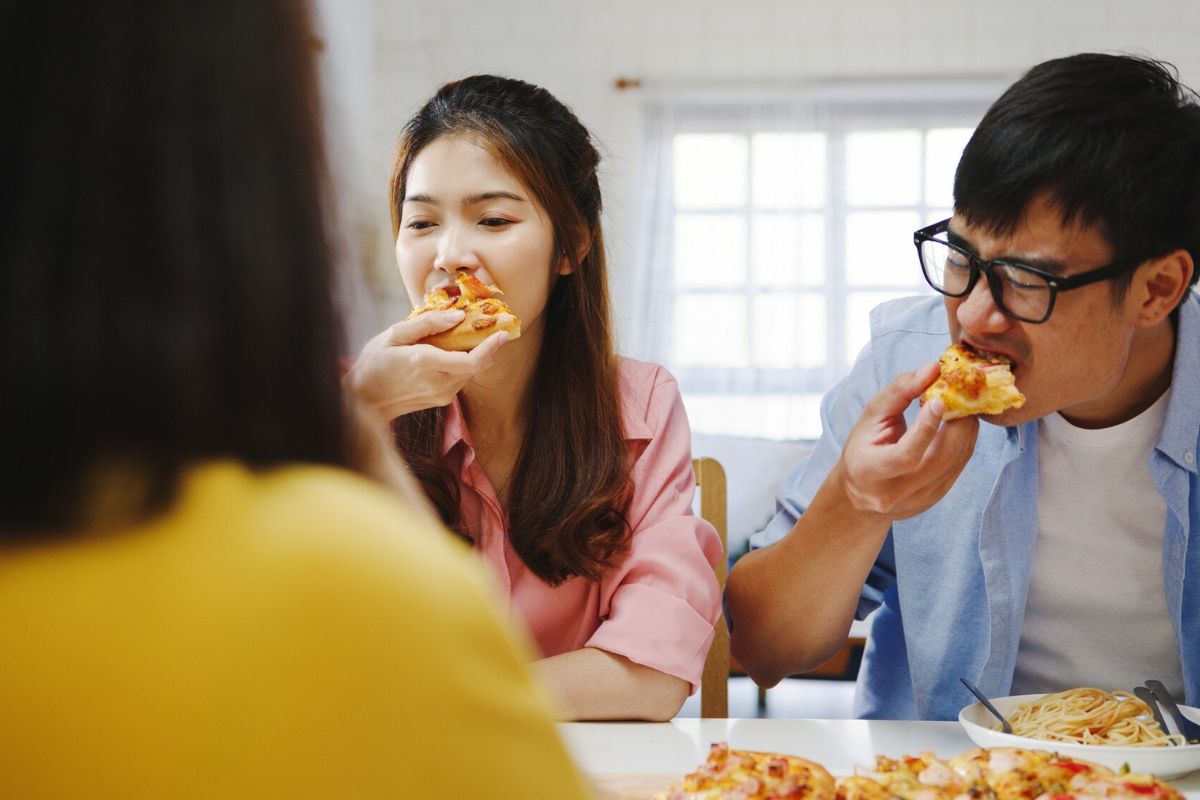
x,y
630,759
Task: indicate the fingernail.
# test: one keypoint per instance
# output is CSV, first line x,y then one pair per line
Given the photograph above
x,y
937,407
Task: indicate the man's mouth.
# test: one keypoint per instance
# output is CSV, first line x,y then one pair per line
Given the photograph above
x,y
990,353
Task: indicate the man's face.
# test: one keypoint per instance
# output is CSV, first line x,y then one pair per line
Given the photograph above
x,y
1073,362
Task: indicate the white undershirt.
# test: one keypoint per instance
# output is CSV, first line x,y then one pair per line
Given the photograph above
x,y
1096,614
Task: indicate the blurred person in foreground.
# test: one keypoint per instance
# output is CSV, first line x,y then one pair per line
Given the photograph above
x,y
1043,548
196,599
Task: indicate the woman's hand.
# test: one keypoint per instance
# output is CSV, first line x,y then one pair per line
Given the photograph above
x,y
395,376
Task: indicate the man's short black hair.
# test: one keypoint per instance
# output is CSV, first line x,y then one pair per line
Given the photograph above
x,y
1112,140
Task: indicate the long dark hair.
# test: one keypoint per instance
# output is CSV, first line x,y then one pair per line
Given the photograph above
x,y
164,264
570,490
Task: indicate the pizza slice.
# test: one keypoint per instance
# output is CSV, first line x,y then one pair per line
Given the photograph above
x,y
484,313
1131,786
971,383
1018,774
750,775
923,777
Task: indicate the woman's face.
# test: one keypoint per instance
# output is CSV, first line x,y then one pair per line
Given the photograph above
x,y
464,210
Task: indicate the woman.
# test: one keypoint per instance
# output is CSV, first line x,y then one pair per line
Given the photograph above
x,y
568,468
194,600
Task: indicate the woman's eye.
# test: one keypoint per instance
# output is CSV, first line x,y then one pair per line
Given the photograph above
x,y
495,222
419,224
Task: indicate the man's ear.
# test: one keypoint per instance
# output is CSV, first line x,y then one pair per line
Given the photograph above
x,y
1161,283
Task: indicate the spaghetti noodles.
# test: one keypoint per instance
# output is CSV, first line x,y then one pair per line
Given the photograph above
x,y
1090,716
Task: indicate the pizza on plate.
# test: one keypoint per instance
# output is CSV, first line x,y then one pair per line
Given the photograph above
x,y
484,313
971,383
750,775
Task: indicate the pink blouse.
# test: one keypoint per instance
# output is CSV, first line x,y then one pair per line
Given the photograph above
x,y
658,607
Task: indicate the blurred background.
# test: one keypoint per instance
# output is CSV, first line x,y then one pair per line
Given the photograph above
x,y
766,162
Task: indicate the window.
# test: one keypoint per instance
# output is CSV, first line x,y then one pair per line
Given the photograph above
x,y
781,225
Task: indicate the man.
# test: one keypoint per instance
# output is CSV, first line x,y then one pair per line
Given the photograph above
x,y
1049,546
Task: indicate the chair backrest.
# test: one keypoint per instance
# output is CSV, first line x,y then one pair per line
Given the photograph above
x,y
714,684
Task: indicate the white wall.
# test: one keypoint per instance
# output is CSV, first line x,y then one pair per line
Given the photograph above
x,y
347,73
576,49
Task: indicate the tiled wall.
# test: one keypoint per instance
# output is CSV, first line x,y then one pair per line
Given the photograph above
x,y
576,49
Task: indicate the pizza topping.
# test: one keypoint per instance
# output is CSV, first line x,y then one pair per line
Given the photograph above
x,y
474,288
971,383
483,323
747,775
467,292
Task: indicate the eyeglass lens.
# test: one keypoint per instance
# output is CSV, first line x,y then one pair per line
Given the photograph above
x,y
1023,294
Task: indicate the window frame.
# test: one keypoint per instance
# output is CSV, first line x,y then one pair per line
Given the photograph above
x,y
835,112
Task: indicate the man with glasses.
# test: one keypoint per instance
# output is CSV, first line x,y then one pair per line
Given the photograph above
x,y
1046,547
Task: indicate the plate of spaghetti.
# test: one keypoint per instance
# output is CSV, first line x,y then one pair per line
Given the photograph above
x,y
1110,728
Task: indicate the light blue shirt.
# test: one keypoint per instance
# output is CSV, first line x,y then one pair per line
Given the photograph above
x,y
950,584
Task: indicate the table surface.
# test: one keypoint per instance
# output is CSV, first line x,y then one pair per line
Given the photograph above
x,y
633,759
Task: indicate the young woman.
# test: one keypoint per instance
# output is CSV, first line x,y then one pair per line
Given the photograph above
x,y
194,600
567,467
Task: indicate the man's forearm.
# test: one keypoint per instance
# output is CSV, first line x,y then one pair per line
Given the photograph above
x,y
791,604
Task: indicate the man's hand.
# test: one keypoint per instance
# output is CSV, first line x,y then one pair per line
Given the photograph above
x,y
893,471
395,376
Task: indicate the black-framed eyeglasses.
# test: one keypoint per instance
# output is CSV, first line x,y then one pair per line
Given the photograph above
x,y
1021,292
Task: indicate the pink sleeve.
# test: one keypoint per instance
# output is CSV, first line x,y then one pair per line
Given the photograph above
x,y
660,605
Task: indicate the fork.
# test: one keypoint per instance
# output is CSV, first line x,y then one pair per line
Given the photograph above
x,y
1189,729
973,689
1147,697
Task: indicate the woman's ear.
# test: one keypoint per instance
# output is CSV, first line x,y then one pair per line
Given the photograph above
x,y
1161,283
565,265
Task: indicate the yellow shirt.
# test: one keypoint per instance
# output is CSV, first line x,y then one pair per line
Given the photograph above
x,y
298,633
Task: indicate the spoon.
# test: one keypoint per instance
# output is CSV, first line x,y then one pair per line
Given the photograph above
x,y
987,704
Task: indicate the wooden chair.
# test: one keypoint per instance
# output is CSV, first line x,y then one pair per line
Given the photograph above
x,y
714,684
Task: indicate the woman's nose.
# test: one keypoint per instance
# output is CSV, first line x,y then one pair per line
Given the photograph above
x,y
455,251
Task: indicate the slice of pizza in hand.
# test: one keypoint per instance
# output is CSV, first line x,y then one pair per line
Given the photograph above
x,y
753,776
485,313
971,383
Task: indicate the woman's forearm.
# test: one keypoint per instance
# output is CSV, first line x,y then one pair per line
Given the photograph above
x,y
592,684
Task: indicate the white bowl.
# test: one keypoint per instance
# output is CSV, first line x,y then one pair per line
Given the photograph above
x,y
1165,762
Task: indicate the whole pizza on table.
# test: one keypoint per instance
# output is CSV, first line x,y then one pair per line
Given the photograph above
x,y
978,774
